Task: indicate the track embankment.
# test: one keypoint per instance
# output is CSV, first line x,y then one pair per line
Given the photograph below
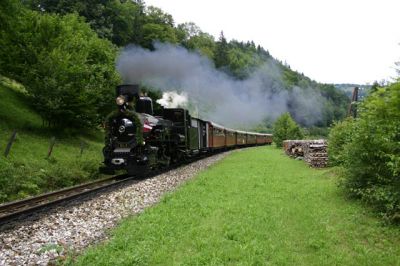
x,y
72,227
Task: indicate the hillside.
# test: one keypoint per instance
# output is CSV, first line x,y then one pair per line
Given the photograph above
x,y
27,170
73,46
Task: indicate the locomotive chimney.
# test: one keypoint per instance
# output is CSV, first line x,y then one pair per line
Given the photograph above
x,y
129,91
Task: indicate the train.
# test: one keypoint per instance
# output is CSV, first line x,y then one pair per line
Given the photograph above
x,y
138,141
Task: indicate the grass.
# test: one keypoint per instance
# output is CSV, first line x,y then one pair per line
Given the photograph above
x,y
256,207
27,171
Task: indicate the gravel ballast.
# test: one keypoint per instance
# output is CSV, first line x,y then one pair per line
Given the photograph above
x,y
71,228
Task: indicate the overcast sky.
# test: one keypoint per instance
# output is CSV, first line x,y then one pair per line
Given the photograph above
x,y
331,41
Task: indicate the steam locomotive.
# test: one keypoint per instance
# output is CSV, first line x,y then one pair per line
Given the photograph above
x,y
138,141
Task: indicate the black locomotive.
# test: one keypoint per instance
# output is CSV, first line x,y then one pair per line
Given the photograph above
x,y
138,141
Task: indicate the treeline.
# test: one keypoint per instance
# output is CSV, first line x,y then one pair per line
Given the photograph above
x,y
64,53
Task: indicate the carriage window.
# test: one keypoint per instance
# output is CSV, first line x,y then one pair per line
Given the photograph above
x,y
218,132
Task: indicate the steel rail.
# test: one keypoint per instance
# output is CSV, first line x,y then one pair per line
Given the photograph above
x,y
12,210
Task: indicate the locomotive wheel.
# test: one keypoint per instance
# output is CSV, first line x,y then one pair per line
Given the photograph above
x,y
107,171
138,171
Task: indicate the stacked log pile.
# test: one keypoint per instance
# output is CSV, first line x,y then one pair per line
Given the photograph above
x,y
294,148
314,152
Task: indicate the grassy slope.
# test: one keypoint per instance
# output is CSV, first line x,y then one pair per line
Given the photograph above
x,y
27,171
256,207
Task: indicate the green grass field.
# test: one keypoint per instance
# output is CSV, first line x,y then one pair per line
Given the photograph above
x,y
27,170
256,207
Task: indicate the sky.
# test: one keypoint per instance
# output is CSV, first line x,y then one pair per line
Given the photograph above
x,y
330,41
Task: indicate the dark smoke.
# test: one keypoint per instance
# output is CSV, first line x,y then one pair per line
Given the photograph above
x,y
215,95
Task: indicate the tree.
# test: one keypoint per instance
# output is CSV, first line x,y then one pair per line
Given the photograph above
x,y
118,21
188,30
158,26
285,128
204,43
155,15
375,86
67,70
157,32
137,34
125,21
191,37
95,12
221,57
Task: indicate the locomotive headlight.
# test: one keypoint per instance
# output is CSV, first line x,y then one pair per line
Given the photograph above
x,y
120,100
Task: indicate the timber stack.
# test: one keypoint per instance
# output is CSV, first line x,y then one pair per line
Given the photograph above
x,y
314,152
294,148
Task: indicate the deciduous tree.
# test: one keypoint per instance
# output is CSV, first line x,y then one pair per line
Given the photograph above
x,y
66,68
286,128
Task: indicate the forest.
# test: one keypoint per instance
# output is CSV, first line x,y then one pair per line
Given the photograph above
x,y
64,54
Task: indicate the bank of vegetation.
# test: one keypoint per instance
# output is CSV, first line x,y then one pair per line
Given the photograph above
x,y
28,169
367,148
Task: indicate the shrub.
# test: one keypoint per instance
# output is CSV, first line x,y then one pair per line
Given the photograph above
x,y
286,128
315,132
372,158
339,136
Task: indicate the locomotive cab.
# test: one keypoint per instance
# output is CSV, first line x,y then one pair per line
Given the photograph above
x,y
127,93
144,105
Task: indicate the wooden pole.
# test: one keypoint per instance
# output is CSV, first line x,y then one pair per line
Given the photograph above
x,y
10,142
83,146
355,97
52,142
353,106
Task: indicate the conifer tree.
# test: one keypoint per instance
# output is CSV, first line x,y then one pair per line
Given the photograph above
x,y
221,53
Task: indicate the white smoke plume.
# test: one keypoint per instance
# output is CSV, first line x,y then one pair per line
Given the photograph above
x,y
173,99
215,95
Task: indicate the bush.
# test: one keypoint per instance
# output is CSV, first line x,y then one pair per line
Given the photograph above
x,y
315,132
22,179
372,158
286,128
340,135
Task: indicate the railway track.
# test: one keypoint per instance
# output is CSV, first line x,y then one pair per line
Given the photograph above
x,y
13,210
16,210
